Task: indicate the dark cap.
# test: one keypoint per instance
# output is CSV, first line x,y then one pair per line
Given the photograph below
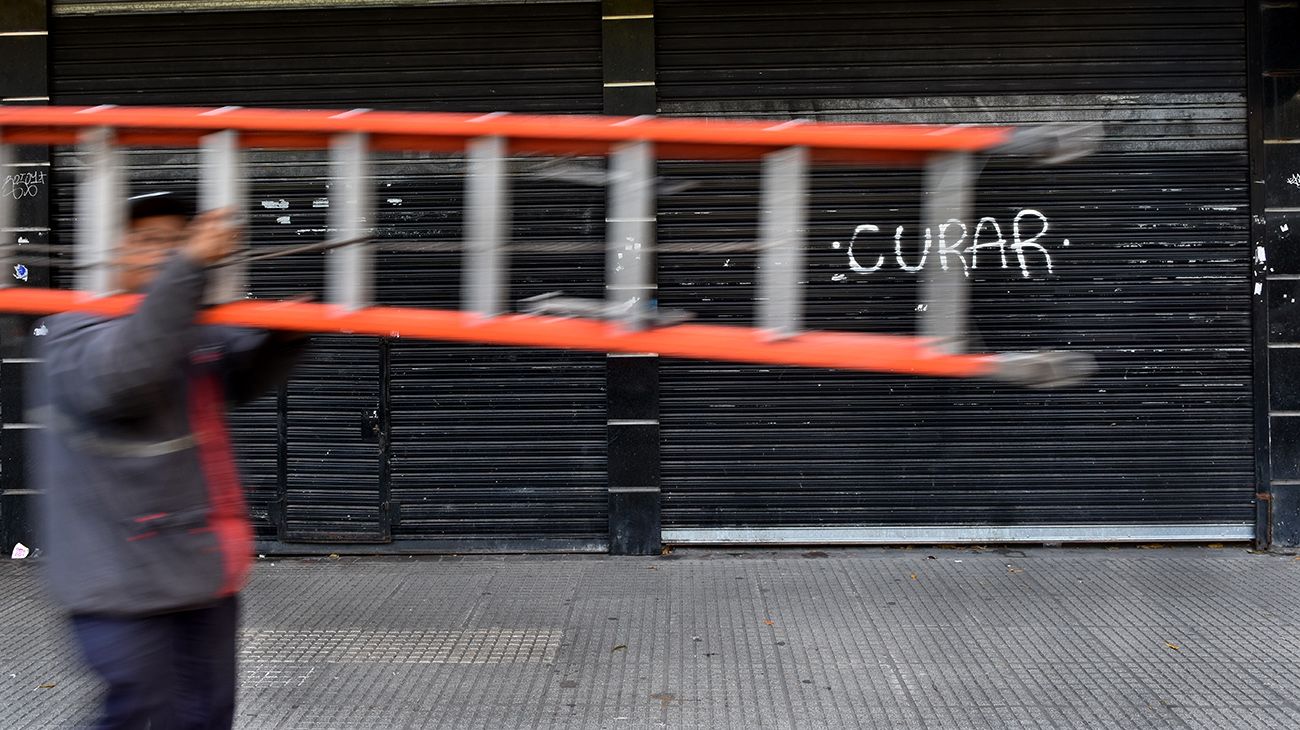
x,y
162,203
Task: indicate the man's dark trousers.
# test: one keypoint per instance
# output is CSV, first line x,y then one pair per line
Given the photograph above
x,y
171,670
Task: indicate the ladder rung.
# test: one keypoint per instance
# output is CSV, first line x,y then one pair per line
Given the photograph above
x,y
350,276
484,283
945,292
222,186
8,238
100,212
780,267
630,234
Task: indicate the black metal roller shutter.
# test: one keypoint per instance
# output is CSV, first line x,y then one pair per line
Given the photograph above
x,y
390,440
1149,271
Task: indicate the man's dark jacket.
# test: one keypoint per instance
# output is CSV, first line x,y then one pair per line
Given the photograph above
x,y
132,518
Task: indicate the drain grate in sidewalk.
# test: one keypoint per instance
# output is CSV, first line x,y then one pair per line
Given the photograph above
x,y
369,646
272,674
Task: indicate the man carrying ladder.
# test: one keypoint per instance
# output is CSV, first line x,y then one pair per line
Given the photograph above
x,y
148,536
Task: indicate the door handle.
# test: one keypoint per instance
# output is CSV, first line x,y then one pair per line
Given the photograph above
x,y
371,428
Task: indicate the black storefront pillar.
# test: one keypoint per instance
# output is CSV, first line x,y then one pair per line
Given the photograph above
x,y
26,184
632,381
1274,101
634,495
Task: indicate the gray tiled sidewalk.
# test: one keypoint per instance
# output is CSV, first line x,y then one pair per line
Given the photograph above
x,y
921,638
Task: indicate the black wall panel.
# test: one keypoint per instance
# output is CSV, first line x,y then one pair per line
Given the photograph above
x,y
397,440
1147,241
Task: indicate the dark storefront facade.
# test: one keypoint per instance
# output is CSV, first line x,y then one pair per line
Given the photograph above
x,y
1156,254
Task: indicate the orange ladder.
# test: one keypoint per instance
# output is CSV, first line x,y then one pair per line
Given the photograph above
x,y
627,320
